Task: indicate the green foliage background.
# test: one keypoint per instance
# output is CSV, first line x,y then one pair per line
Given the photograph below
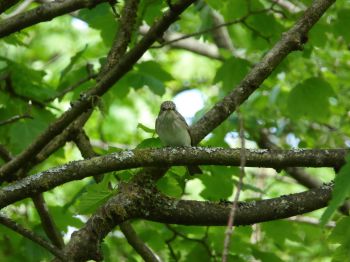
x,y
304,103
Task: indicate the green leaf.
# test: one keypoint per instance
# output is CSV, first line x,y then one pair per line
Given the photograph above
x,y
155,69
235,9
74,59
342,24
150,143
95,196
280,231
265,256
310,99
170,186
340,192
151,9
64,218
101,18
72,78
147,73
231,73
145,128
317,34
218,185
340,235
29,82
23,132
341,232
197,253
265,24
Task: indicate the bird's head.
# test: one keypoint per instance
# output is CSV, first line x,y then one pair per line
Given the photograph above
x,y
167,105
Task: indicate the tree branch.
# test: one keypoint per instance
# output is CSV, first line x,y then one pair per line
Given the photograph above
x,y
122,39
77,170
206,213
292,8
14,119
5,154
51,147
83,239
88,99
47,221
220,34
298,173
295,172
134,241
136,201
6,4
291,40
44,12
83,143
23,6
30,235
189,44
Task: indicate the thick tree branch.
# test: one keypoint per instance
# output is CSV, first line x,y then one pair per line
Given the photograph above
x,y
48,223
136,201
45,12
206,213
83,143
88,100
297,173
122,39
291,40
30,235
87,236
77,170
69,133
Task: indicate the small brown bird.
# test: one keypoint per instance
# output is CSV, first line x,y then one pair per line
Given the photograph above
x,y
173,130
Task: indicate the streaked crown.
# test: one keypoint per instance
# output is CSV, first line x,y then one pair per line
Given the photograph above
x,y
167,105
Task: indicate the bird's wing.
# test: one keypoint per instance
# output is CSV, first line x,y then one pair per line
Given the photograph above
x,y
182,118
188,128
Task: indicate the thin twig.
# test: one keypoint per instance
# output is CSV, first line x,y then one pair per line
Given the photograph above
x,y
48,222
202,241
136,242
5,154
30,235
14,119
172,253
86,100
231,220
190,44
213,28
71,87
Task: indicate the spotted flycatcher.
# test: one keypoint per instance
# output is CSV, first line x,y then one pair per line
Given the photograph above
x,y
173,130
